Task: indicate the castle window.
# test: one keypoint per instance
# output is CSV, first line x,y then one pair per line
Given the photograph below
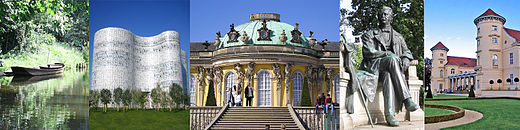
x,y
440,86
511,77
494,40
460,72
442,54
230,82
478,30
478,60
494,28
452,71
264,88
510,58
442,62
297,89
495,60
441,74
478,43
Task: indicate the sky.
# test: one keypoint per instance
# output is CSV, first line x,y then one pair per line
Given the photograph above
x,y
451,22
143,18
210,16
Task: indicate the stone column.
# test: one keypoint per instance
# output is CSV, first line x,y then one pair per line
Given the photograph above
x,y
414,85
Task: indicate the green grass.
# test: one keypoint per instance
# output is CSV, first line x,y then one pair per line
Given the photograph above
x,y
498,113
428,111
44,54
139,119
439,96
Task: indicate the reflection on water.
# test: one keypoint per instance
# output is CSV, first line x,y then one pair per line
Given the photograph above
x,y
48,102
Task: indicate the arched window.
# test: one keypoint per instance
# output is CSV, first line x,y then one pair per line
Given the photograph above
x,y
452,71
441,74
495,59
264,88
297,88
336,89
193,90
230,82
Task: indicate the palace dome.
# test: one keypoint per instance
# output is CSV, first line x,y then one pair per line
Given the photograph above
x,y
254,27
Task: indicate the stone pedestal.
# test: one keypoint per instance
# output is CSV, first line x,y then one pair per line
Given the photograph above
x,y
376,108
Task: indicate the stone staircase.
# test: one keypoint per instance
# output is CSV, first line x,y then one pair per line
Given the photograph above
x,y
255,118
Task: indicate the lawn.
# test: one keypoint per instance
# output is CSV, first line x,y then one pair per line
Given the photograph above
x,y
439,96
139,119
498,113
428,111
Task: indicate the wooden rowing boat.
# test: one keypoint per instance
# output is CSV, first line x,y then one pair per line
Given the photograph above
x,y
49,69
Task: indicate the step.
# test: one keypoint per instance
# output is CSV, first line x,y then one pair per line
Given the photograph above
x,y
263,128
254,126
272,124
255,114
235,119
257,117
258,121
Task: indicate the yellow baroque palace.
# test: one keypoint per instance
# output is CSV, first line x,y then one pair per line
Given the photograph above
x,y
275,58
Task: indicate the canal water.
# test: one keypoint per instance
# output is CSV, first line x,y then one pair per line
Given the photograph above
x,y
45,102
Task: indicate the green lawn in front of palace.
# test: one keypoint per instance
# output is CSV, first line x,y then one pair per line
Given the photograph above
x,y
439,96
428,111
498,113
139,119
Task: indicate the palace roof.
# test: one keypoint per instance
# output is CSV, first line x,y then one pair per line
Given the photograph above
x,y
439,46
513,33
462,61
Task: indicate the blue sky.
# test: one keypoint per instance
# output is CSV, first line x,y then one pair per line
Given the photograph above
x,y
211,16
451,22
143,18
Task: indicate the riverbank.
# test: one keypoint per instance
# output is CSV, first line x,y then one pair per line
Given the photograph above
x,y
44,54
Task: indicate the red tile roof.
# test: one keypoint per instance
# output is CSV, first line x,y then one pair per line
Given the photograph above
x,y
489,12
513,33
462,61
439,46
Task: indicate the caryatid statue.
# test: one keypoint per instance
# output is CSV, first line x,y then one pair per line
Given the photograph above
x,y
217,73
287,75
240,75
385,57
309,73
250,73
201,82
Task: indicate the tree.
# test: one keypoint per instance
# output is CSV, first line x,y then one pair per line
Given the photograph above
x,y
118,97
427,77
306,98
408,20
185,99
137,98
105,97
176,94
156,96
93,98
127,98
165,100
211,101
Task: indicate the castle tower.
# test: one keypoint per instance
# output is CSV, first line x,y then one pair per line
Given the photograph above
x,y
489,49
438,74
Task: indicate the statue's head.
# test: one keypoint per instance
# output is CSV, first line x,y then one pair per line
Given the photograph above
x,y
386,15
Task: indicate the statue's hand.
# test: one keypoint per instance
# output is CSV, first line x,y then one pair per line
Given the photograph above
x,y
405,64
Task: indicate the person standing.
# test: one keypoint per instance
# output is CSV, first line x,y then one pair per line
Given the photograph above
x,y
249,95
238,99
230,101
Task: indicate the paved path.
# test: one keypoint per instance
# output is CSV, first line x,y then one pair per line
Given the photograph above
x,y
469,117
403,125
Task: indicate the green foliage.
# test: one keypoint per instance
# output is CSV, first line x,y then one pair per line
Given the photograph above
x,y
185,99
127,98
165,100
67,21
407,21
421,97
306,98
428,111
156,96
105,97
211,101
139,120
118,96
93,98
139,98
176,94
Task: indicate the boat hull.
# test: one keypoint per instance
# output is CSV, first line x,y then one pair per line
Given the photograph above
x,y
36,71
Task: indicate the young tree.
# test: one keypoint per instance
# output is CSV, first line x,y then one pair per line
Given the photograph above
x,y
306,98
165,100
143,99
127,98
176,94
118,97
136,97
185,99
211,101
156,96
105,97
